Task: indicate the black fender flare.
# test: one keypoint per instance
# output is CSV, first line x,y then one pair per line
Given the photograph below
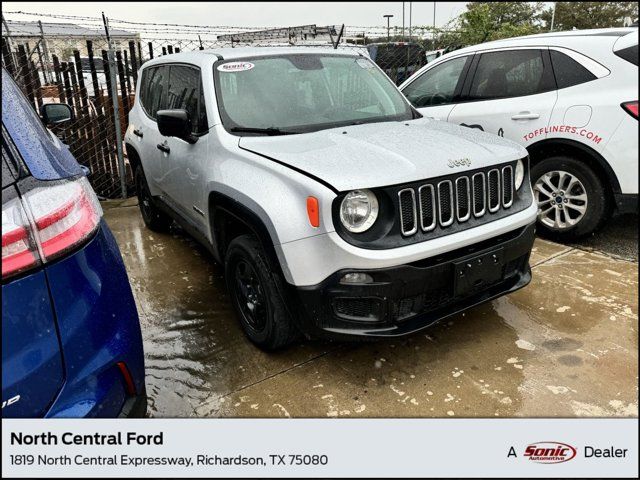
x,y
220,202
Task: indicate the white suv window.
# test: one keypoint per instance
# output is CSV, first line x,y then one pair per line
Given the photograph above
x,y
437,85
511,73
567,71
185,92
153,89
306,93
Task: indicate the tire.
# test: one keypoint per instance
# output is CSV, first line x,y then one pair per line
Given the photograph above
x,y
154,218
568,215
257,295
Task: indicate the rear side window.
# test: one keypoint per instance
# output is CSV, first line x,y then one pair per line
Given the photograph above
x,y
153,89
567,71
185,92
630,54
437,85
512,73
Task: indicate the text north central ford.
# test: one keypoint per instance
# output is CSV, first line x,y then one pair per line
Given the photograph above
x,y
70,438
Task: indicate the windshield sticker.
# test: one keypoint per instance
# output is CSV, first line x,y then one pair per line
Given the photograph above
x,y
236,67
366,64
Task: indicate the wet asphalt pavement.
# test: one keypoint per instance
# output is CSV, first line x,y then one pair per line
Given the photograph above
x,y
566,345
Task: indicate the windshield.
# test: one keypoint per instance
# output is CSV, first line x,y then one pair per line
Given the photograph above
x,y
302,93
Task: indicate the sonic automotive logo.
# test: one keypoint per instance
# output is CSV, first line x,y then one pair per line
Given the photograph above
x,y
236,67
550,452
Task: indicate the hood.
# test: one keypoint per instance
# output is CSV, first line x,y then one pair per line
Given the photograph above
x,y
382,154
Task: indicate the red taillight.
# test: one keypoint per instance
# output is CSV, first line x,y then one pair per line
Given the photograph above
x,y
631,108
18,248
63,215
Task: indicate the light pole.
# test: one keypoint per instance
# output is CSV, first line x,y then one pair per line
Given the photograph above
x,y
388,17
553,16
433,32
403,21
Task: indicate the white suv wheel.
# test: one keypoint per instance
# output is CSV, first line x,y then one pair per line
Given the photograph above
x,y
562,199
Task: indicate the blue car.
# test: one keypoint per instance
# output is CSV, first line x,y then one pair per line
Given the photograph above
x,y
71,342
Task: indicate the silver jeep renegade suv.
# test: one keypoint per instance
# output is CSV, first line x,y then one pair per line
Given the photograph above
x,y
336,208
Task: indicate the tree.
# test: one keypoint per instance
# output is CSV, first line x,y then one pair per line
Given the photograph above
x,y
583,15
485,21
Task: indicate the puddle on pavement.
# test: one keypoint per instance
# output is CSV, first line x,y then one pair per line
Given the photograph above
x,y
566,345
194,349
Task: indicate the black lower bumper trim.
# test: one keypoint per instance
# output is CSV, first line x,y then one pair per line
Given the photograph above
x,y
626,203
408,298
134,407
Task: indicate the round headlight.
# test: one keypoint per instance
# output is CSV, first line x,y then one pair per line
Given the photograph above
x,y
519,177
359,210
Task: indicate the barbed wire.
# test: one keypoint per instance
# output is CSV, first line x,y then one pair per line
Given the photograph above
x,y
191,29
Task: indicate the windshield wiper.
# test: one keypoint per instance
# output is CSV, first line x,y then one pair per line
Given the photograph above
x,y
265,131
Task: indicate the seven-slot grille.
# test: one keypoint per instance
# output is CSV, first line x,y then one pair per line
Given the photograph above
x,y
457,199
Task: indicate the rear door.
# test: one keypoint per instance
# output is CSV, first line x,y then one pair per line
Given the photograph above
x,y
153,92
435,91
510,93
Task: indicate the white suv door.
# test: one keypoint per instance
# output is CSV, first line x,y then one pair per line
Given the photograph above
x,y
183,161
435,91
152,93
508,92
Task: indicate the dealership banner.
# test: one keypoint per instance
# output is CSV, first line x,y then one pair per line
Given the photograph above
x,y
323,448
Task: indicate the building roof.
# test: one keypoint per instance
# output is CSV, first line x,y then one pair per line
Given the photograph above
x,y
32,29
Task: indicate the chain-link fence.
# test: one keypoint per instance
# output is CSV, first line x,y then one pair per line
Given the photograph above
x,y
72,60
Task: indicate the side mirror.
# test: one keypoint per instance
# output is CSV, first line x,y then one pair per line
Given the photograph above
x,y
176,123
56,113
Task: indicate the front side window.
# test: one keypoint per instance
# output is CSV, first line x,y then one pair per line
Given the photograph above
x,y
437,85
512,73
184,93
302,93
153,89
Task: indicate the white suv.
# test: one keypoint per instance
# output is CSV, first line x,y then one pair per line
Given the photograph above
x,y
570,98
334,207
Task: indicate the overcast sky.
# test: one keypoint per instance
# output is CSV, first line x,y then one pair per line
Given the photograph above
x,y
248,14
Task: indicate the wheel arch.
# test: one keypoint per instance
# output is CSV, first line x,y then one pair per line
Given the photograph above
x,y
554,146
133,156
229,219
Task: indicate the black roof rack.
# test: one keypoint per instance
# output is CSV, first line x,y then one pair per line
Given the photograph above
x,y
292,34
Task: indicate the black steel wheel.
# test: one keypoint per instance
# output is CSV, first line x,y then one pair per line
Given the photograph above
x,y
257,294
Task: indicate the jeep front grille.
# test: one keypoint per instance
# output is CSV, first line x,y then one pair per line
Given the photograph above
x,y
427,196
455,199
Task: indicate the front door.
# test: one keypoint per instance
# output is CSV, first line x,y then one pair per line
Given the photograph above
x,y
184,161
434,91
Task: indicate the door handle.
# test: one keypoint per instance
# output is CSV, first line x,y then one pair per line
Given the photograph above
x,y
138,133
164,148
525,116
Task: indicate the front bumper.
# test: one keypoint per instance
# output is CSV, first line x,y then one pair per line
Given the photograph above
x,y
407,298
